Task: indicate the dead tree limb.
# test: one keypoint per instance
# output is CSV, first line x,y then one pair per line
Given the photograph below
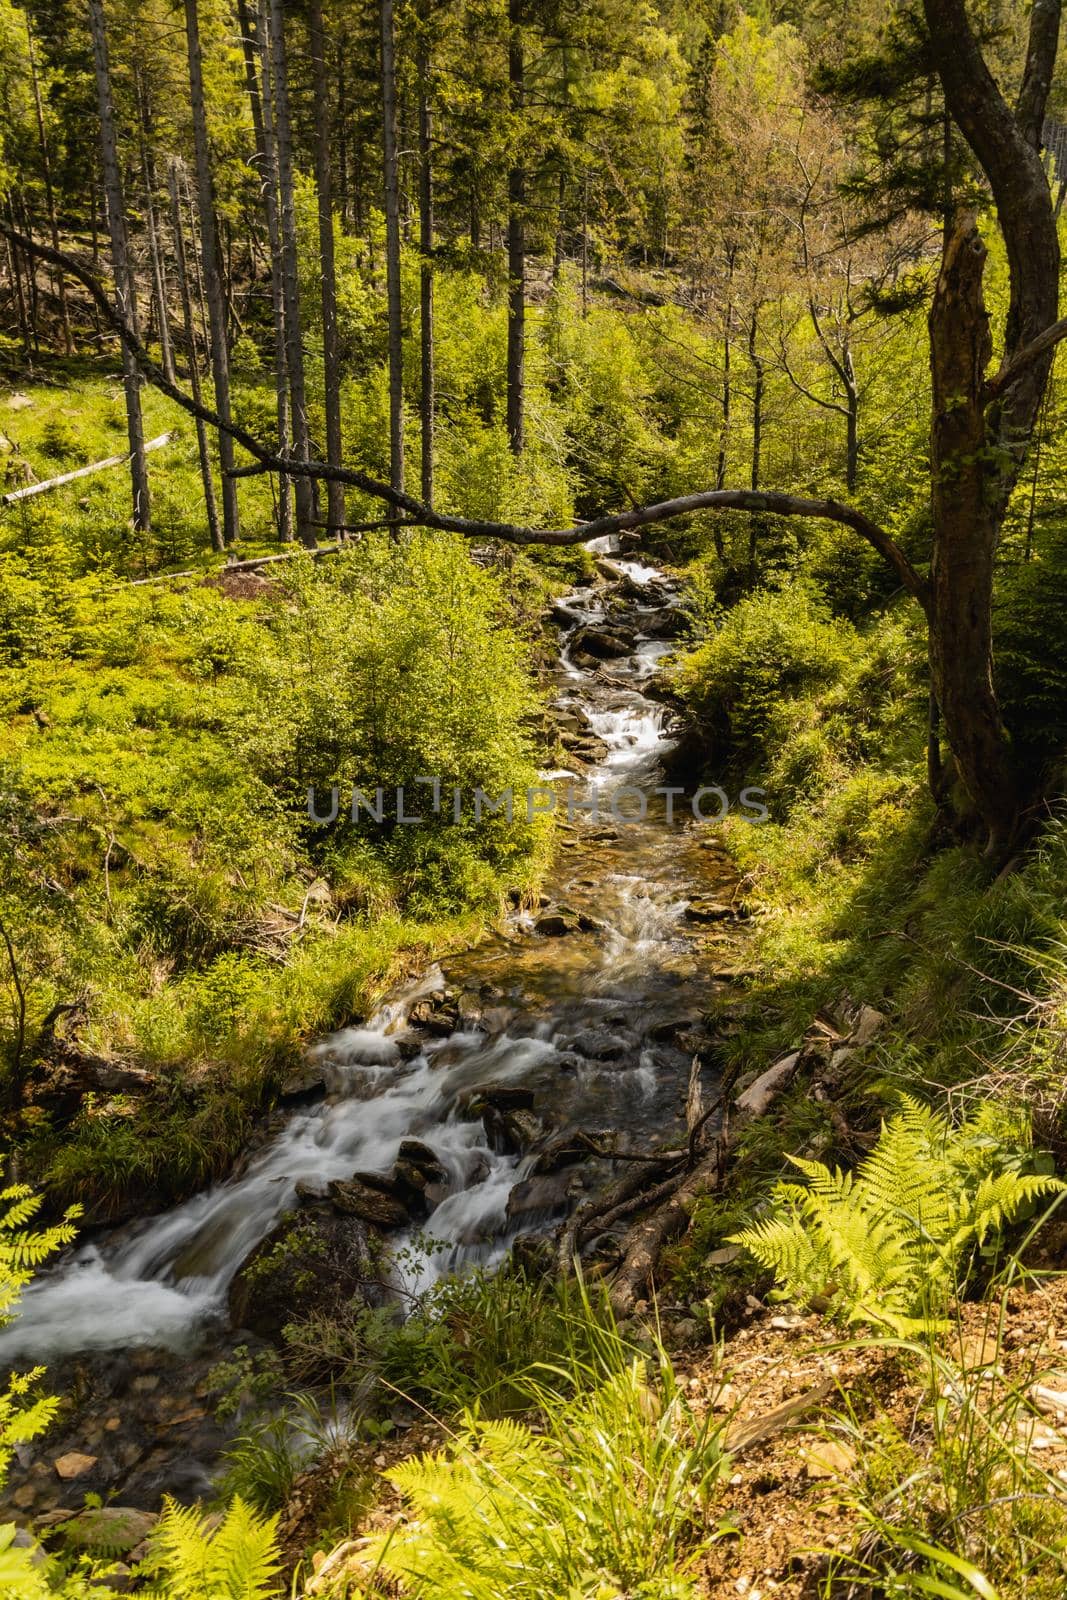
x,y
82,472
266,459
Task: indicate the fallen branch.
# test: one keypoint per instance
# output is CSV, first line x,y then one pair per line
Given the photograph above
x,y
743,1435
83,472
268,460
646,1239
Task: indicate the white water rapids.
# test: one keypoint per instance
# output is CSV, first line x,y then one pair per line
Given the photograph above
x,y
164,1281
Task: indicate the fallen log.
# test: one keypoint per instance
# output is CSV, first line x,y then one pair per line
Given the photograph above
x,y
646,1239
82,472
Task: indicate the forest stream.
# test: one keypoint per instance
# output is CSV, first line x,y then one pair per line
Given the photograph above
x,y
584,1015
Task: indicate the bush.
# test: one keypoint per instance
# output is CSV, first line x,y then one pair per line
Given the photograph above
x,y
774,645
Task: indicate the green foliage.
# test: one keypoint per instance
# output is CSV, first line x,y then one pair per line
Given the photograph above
x,y
22,1418
466,1342
193,1560
963,1506
888,1245
774,645
609,1494
158,862
21,1250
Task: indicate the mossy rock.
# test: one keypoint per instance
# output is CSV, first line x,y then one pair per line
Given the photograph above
x,y
313,1261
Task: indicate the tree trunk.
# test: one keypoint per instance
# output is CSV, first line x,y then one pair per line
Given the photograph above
x,y
392,247
277,285
49,192
159,279
427,398
210,507
755,526
209,252
516,375
31,273
979,443
248,51
16,288
335,513
294,350
852,423
125,298
967,525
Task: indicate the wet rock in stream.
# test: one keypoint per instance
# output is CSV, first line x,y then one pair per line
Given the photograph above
x,y
539,1197
601,645
316,1259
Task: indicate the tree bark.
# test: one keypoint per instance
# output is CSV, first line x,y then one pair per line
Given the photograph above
x,y
16,288
248,52
516,360
392,247
209,252
427,397
210,506
755,526
125,297
277,285
980,434
294,350
49,192
335,492
159,279
967,524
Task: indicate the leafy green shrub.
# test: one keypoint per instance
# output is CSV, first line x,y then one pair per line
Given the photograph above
x,y
774,645
889,1246
467,1341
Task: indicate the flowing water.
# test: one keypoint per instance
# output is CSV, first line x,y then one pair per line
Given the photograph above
x,y
593,1022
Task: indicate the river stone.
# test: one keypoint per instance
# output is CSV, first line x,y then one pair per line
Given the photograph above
x,y
437,1015
605,646
709,911
306,1078
74,1464
538,1197
561,1150
108,1530
511,1132
424,1158
358,1198
596,1046
314,1260
554,924
502,1096
668,623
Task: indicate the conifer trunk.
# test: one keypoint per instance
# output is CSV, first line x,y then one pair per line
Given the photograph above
x,y
210,506
335,513
159,278
294,350
125,297
392,246
277,286
213,287
49,194
516,359
427,397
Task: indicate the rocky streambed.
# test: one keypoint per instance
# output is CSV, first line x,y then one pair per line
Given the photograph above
x,y
480,1105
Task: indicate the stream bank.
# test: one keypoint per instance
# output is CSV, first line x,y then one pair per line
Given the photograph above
x,y
480,1104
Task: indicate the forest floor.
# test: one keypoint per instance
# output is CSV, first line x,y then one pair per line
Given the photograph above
x,y
816,1425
